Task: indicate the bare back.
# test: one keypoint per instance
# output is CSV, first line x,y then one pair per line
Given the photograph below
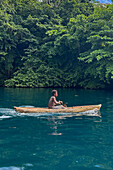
x,y
52,102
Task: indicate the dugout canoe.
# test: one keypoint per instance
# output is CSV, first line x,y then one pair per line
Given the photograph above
x,y
74,109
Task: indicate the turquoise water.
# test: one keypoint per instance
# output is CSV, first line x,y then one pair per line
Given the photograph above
x,y
34,141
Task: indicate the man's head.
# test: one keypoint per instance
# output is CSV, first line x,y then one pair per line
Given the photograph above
x,y
54,93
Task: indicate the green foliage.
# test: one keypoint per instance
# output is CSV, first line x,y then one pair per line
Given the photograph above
x,y
56,43
100,55
44,76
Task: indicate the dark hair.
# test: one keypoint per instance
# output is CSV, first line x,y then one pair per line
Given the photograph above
x,y
54,92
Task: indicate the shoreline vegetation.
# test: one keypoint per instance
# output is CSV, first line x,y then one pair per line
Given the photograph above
x,y
56,43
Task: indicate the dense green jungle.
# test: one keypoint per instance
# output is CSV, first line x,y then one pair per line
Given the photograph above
x,y
56,43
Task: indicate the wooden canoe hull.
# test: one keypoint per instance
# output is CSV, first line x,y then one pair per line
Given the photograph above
x,y
75,109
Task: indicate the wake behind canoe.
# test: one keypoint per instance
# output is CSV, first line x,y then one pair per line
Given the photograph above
x,y
74,109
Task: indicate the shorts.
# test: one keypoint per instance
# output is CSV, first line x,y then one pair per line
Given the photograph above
x,y
58,107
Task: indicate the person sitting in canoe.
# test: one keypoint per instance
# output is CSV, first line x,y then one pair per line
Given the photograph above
x,y
53,103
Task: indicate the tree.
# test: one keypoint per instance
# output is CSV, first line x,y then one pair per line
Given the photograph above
x,y
100,55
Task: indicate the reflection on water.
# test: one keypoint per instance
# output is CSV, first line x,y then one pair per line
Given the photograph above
x,y
53,124
58,141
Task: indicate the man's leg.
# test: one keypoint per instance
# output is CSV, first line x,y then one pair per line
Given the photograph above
x,y
59,107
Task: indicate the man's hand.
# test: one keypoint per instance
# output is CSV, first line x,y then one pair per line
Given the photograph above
x,y
60,102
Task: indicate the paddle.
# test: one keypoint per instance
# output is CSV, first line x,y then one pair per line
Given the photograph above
x,y
64,105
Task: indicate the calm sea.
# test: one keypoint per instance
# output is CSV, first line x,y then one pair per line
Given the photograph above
x,y
58,142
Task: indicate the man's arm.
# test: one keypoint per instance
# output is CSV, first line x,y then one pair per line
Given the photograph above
x,y
57,102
